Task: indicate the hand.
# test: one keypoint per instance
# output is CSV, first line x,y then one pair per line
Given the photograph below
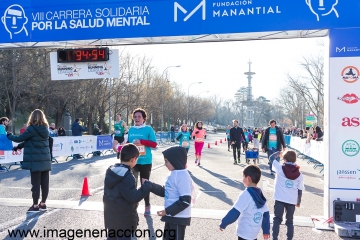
x,y
100,130
298,205
232,142
144,180
15,149
8,133
137,142
263,149
266,236
221,229
161,213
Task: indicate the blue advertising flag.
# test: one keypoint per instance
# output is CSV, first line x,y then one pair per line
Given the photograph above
x,y
103,142
44,20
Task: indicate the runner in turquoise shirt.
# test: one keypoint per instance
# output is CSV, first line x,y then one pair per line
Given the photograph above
x,y
144,138
184,137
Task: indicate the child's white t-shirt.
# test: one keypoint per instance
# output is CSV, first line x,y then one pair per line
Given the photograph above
x,y
286,190
178,183
251,217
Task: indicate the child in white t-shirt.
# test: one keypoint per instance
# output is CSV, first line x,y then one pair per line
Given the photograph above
x,y
250,209
177,193
289,184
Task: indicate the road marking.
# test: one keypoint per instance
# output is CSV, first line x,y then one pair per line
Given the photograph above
x,y
82,204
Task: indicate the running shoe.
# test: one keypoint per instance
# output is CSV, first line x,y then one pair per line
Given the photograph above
x,y
42,207
196,161
147,211
33,209
239,160
199,163
235,161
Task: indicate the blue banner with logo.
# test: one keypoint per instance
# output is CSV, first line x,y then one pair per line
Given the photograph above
x,y
44,20
103,142
345,42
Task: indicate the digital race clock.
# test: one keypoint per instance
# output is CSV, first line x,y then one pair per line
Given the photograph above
x,y
83,55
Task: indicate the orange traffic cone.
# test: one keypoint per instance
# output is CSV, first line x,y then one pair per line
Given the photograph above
x,y
220,140
208,145
85,189
215,142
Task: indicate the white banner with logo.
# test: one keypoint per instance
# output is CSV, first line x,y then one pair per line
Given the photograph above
x,y
342,173
312,149
85,70
64,146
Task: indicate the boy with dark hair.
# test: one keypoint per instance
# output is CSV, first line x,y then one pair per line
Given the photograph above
x,y
288,184
250,209
121,198
177,193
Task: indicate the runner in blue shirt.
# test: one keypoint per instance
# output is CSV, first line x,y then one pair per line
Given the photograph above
x,y
144,138
184,137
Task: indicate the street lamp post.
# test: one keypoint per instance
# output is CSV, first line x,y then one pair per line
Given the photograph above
x,y
187,112
162,97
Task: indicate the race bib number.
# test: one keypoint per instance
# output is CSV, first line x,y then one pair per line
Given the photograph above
x,y
141,150
199,139
117,132
273,138
185,144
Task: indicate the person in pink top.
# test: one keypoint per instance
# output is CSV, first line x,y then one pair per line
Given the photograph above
x,y
199,134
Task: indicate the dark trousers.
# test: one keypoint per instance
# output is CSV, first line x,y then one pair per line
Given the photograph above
x,y
174,231
239,238
278,217
270,151
236,148
144,171
229,143
39,180
245,145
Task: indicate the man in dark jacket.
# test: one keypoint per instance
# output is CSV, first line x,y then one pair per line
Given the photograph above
x,y
121,198
235,137
77,129
273,141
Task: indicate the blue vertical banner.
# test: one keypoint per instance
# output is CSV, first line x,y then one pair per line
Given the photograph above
x,y
44,20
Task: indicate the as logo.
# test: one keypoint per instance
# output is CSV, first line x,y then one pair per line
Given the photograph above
x,y
349,98
183,10
350,122
350,74
350,148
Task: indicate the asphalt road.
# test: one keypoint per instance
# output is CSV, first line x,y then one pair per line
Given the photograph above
x,y
218,184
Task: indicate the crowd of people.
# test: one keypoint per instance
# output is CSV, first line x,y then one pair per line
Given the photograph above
x,y
309,133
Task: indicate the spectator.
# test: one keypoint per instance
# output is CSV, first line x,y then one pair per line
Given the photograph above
x,y
319,134
61,131
35,141
23,129
4,121
96,130
77,129
53,132
172,129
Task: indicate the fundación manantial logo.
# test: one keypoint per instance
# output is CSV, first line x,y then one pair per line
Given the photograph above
x,y
177,7
322,8
14,20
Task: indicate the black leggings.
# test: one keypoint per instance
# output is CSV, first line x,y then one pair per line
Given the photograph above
x,y
39,179
144,171
236,148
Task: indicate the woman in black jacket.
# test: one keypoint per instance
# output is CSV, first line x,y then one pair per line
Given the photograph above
x,y
35,141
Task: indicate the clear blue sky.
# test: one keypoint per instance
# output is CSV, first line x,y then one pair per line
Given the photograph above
x,y
221,66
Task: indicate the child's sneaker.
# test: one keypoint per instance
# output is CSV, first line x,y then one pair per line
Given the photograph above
x,y
147,211
196,161
42,207
199,163
33,209
118,155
